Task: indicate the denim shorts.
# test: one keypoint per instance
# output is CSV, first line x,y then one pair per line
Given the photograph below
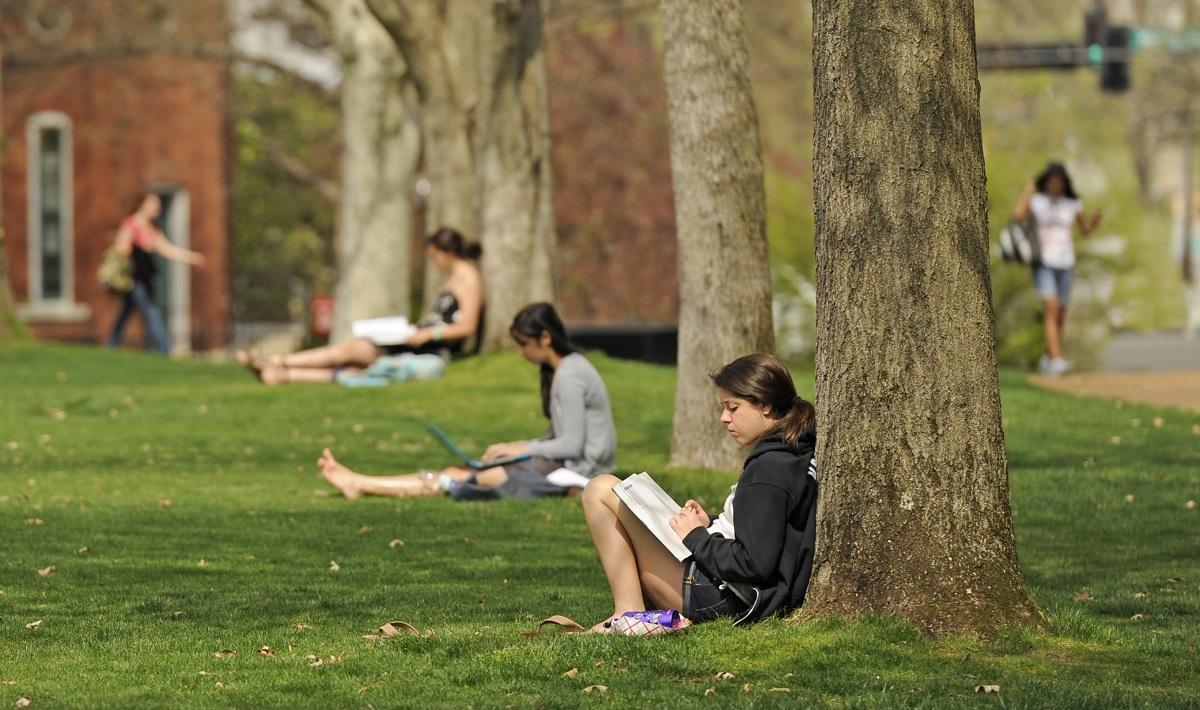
x,y
1052,283
706,599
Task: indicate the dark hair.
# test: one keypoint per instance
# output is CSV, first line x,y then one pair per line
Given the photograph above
x,y
762,379
451,242
529,324
1060,170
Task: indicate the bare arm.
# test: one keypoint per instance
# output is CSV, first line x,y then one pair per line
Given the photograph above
x,y
1088,224
124,241
470,303
168,250
1021,211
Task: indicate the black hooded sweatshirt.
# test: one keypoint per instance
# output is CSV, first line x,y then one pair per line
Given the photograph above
x,y
774,518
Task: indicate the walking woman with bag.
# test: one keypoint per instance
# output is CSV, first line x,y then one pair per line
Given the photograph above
x,y
138,239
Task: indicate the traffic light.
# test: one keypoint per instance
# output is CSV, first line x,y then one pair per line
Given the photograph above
x,y
1114,63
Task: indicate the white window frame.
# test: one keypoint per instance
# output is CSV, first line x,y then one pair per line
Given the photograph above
x,y
64,307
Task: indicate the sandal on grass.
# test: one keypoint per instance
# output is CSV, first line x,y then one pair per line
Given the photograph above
x,y
562,623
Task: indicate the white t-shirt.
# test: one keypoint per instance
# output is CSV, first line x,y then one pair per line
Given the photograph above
x,y
723,523
1055,218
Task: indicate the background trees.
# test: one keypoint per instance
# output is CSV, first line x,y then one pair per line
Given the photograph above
x,y
914,517
717,173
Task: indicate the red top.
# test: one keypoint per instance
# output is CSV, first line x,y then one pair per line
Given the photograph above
x,y
143,236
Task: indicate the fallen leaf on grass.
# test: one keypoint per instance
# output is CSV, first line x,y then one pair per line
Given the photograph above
x,y
1139,595
1082,597
205,673
8,682
1158,422
1190,505
1114,440
165,503
596,689
571,673
1128,497
396,543
393,629
225,653
23,702
202,563
33,624
334,566
780,690
364,530
47,570
1137,617
710,691
34,521
747,687
218,685
724,675
83,550
989,689
266,651
301,625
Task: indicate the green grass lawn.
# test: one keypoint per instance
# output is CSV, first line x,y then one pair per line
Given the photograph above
x,y
180,510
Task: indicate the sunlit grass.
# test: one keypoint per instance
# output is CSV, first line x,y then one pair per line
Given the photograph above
x,y
180,508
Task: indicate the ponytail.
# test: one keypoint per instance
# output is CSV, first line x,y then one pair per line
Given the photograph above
x,y
762,378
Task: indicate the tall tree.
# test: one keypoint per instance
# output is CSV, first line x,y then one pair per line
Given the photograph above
x,y
439,41
480,71
717,173
914,517
513,124
381,149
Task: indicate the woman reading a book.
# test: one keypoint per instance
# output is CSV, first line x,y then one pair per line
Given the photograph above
x,y
761,544
454,318
581,443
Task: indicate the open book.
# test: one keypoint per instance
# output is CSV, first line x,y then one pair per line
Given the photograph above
x,y
651,504
392,330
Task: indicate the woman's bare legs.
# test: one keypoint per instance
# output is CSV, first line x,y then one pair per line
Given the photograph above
x,y
354,485
636,564
358,352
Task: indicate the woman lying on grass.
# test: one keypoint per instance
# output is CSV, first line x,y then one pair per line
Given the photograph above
x,y
773,508
453,319
581,443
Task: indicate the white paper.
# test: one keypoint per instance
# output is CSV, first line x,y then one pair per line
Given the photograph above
x,y
392,330
651,504
567,478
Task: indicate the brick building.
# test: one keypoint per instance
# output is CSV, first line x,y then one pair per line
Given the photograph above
x,y
104,100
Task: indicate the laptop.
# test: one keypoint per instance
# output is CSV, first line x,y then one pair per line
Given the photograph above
x,y
474,464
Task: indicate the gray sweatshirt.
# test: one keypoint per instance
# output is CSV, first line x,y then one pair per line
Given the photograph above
x,y
583,434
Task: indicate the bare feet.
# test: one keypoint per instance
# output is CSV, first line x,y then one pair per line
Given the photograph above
x,y
273,374
338,475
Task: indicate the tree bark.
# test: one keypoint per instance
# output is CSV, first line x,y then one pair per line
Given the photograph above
x,y
717,173
914,517
513,145
381,135
479,66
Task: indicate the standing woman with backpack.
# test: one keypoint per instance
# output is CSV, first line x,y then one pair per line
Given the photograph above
x,y
139,239
1055,208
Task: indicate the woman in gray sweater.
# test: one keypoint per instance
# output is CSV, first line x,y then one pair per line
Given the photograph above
x,y
581,442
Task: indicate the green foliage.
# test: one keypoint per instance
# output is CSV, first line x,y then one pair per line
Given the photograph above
x,y
125,471
284,228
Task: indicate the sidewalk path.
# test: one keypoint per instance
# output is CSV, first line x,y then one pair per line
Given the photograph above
x,y
1169,389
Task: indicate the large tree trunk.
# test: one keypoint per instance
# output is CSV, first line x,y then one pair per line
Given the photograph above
x,y
480,69
914,517
381,136
513,145
717,173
